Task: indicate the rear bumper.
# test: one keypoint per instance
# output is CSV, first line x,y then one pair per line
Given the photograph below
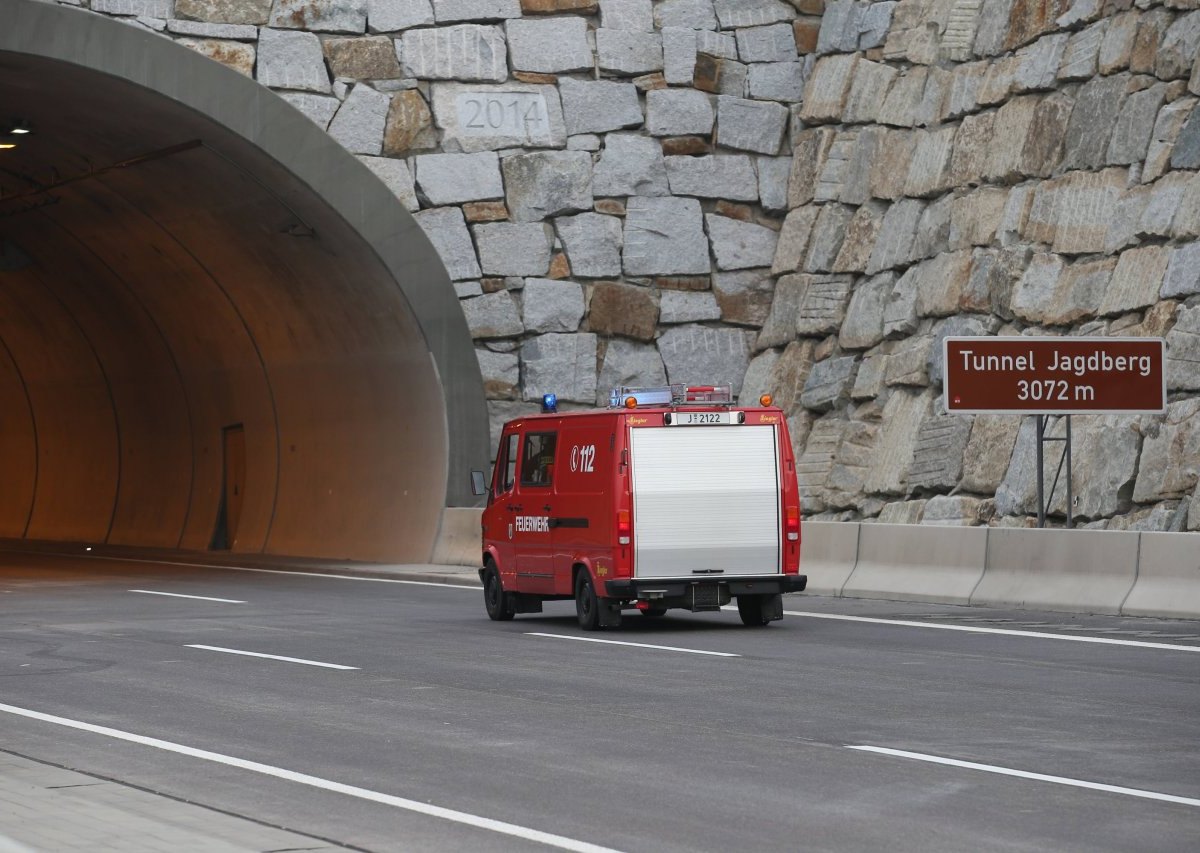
x,y
651,588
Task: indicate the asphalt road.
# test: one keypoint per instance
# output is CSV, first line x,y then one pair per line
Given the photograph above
x,y
697,734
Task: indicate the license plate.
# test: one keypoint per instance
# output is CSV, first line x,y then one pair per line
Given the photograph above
x,y
702,419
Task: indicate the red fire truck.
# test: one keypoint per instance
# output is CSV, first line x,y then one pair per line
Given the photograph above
x,y
673,497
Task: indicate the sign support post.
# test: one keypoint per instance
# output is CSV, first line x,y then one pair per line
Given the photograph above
x,y
1044,500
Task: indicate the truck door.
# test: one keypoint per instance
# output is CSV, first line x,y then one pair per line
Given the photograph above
x,y
534,506
501,513
583,513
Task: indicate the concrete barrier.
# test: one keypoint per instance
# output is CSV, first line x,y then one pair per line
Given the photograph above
x,y
458,540
914,562
828,554
1074,570
1168,577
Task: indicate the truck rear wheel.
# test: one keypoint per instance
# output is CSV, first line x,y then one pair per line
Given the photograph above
x,y
587,605
498,603
753,611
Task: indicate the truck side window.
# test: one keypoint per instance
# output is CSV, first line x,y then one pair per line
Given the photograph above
x,y
510,464
537,464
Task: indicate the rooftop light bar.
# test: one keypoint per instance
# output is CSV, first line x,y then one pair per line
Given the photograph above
x,y
673,395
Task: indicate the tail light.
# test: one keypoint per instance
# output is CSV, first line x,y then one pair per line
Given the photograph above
x,y
624,528
791,523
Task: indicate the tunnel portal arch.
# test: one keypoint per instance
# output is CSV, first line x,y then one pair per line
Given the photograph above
x,y
181,251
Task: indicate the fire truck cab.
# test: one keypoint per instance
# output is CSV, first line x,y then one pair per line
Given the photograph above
x,y
672,497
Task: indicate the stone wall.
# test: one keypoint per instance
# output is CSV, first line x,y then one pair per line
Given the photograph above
x,y
1009,167
612,186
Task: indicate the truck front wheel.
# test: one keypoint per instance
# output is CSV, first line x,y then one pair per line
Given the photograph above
x,y
498,603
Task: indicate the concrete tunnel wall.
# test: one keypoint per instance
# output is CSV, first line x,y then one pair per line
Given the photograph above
x,y
246,271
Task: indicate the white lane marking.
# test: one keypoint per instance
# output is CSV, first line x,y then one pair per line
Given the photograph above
x,y
1010,632
271,657
635,645
181,595
466,818
1024,774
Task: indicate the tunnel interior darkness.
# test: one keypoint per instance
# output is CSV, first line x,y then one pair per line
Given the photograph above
x,y
197,350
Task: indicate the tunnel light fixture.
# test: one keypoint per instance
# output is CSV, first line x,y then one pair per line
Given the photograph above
x,y
18,127
6,145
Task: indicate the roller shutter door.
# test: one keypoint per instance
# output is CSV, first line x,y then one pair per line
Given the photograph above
x,y
705,498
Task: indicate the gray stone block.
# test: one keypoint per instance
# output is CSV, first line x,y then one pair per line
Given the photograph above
x,y
560,364
636,15
875,25
630,364
938,453
1183,272
740,245
446,228
541,184
448,11
751,13
479,117
822,304
776,81
780,326
288,60
458,178
359,122
773,181
460,52
629,53
592,242
747,125
893,247
868,91
682,306
493,315
1179,48
1092,121
727,176
903,415
501,373
325,16
630,165
1083,50
829,383
513,248
1134,125
863,324
840,26
555,45
551,306
1169,466
319,108
703,355
1183,351
1040,62
828,87
598,106
694,14
772,43
827,237
665,236
744,296
1136,281
678,112
395,174
1186,153
388,16
988,452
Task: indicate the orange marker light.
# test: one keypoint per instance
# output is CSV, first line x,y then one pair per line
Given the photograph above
x,y
631,402
766,400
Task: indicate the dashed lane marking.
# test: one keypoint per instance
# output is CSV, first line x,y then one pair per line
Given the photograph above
x,y
1025,774
271,657
635,645
181,595
465,818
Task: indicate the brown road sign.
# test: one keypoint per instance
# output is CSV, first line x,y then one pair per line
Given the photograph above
x,y
1054,376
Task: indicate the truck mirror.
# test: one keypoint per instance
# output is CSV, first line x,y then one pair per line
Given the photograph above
x,y
478,483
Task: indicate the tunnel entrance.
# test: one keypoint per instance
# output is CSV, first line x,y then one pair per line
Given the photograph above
x,y
185,252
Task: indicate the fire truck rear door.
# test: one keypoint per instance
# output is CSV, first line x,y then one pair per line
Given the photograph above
x,y
705,501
